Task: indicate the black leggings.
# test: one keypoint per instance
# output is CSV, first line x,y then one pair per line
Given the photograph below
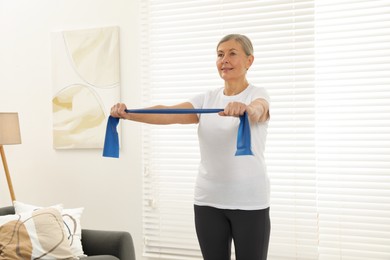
x,y
216,228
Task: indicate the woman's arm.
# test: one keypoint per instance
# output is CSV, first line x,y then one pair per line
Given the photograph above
x,y
118,110
258,110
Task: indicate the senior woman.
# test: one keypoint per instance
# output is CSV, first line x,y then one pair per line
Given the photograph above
x,y
232,194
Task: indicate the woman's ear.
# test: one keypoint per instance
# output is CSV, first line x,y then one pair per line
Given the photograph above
x,y
249,62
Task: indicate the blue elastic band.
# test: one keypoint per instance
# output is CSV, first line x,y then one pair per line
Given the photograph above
x,y
111,141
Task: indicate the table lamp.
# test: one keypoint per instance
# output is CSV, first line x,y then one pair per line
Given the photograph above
x,y
9,134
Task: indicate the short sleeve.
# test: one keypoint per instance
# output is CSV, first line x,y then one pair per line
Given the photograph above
x,y
197,101
263,94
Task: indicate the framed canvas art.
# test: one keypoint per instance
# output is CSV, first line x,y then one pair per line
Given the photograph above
x,y
86,83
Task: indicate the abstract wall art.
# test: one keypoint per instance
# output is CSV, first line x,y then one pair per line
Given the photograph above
x,y
86,83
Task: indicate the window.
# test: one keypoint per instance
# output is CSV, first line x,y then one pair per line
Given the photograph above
x,y
353,123
326,66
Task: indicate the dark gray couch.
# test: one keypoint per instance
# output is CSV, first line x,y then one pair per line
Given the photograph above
x,y
100,244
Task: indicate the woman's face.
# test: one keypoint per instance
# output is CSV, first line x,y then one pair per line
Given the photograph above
x,y
232,62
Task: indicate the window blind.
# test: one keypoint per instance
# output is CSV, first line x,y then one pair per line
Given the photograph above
x,y
353,128
325,65
180,40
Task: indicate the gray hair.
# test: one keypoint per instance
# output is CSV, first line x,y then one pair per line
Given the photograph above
x,y
243,40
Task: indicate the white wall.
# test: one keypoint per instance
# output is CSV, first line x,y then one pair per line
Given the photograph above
x,y
109,189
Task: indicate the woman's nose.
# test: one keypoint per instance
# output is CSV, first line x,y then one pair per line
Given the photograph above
x,y
225,60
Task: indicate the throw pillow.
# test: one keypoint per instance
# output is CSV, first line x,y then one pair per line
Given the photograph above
x,y
21,207
37,234
71,218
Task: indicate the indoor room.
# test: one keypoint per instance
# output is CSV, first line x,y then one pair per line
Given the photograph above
x,y
322,73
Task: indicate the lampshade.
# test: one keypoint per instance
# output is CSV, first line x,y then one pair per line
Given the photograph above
x,y
9,128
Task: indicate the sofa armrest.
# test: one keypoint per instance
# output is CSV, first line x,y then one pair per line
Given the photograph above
x,y
101,242
9,210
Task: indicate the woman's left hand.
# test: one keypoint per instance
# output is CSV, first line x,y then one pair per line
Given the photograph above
x,y
234,109
257,110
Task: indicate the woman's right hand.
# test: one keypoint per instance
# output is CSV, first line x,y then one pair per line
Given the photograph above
x,y
118,110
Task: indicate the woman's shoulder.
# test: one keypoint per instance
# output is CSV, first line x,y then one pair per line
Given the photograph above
x,y
214,91
259,92
201,99
257,88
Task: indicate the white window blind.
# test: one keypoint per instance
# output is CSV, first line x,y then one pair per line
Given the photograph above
x,y
353,128
326,66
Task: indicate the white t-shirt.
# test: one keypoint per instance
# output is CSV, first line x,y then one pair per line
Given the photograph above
x,y
224,180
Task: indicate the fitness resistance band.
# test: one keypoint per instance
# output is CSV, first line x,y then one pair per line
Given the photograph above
x,y
111,141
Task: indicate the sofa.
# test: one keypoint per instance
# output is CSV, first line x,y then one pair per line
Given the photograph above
x,y
99,244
